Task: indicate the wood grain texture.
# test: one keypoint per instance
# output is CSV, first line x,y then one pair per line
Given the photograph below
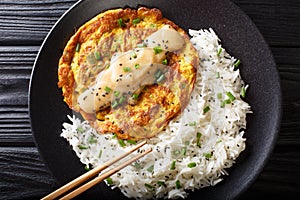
x,y
23,26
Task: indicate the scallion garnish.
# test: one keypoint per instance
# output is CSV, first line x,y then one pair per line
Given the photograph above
x,y
227,101
109,181
218,75
230,95
237,63
133,54
199,135
87,168
176,152
126,69
161,183
122,99
206,109
114,104
219,51
193,123
122,143
157,50
116,93
149,186
141,45
160,78
158,73
136,21
207,155
120,22
92,139
243,92
81,147
198,139
77,47
191,165
100,154
165,61
219,95
80,129
131,141
114,136
173,165
183,151
135,96
97,55
107,89
223,104
178,185
150,169
136,66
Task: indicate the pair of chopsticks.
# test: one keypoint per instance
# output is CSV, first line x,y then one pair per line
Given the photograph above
x,y
85,177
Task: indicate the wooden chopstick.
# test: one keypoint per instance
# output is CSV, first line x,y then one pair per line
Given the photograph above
x,y
88,175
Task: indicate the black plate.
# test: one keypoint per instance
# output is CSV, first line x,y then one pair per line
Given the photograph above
x,y
239,36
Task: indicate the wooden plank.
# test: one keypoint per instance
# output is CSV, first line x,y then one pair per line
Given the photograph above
x,y
29,23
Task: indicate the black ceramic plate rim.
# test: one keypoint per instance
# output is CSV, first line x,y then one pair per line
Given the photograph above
x,y
276,127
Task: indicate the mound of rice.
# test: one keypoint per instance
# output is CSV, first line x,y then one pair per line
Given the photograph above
x,y
195,149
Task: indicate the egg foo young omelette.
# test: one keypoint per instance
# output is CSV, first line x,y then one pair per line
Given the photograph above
x,y
128,72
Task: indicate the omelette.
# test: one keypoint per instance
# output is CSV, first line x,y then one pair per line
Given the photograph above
x,y
128,72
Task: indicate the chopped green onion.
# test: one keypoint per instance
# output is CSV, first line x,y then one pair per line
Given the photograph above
x,y
141,45
100,154
107,89
173,165
122,143
120,22
193,123
92,139
191,165
178,186
161,183
137,165
227,101
136,21
97,55
206,109
160,78
207,155
219,95
122,99
126,69
165,61
158,73
198,139
133,54
199,135
81,147
116,93
87,168
219,51
150,169
149,186
131,141
223,104
176,152
109,181
157,50
243,92
136,66
230,95
219,141
135,96
183,151
80,129
114,104
218,75
77,47
114,136
107,66
237,63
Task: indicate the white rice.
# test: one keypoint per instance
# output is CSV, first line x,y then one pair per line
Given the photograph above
x,y
220,143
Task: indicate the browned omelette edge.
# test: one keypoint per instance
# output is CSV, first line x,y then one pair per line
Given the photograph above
x,y
106,22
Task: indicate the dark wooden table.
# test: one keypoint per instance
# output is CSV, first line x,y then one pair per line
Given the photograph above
x,y
25,23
